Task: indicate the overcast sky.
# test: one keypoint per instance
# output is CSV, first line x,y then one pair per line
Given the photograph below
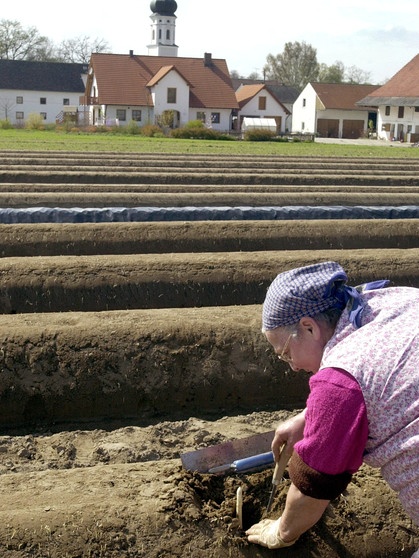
x,y
378,36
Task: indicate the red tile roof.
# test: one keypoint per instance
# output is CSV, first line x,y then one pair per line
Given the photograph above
x,y
123,79
247,92
401,89
341,95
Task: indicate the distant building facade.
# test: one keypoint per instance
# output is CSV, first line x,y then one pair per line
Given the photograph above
x,y
257,102
48,89
330,110
168,91
279,101
397,103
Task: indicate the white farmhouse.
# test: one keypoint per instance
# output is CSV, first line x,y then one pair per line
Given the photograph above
x,y
166,90
398,104
285,94
329,110
257,102
49,89
160,88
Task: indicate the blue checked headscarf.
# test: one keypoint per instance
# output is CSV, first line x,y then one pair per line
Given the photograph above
x,y
310,290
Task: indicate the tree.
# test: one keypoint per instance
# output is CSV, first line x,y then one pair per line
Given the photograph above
x,y
332,74
6,106
46,52
296,66
234,74
80,48
17,43
354,74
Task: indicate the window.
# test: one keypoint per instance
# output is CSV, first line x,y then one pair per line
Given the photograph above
x,y
215,117
136,115
201,116
159,34
262,103
401,112
153,35
66,102
303,125
416,109
121,114
43,115
19,100
387,111
43,100
171,94
19,115
168,34
304,102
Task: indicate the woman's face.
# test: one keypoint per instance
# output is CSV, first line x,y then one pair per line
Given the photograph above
x,y
302,350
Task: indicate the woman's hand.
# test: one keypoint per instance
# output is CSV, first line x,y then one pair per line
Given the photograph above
x,y
266,533
289,432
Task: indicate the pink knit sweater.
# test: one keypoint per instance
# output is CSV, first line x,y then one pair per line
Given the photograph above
x,y
336,428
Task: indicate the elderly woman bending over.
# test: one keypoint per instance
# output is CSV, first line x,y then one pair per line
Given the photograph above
x,y
361,344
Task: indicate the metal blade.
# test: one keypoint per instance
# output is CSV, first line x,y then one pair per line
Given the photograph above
x,y
215,456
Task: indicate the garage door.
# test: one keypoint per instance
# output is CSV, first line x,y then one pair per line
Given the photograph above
x,y
328,128
353,129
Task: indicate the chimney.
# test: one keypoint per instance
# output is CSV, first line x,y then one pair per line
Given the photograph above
x,y
131,53
207,59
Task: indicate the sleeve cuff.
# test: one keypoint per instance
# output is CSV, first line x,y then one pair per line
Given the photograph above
x,y
314,484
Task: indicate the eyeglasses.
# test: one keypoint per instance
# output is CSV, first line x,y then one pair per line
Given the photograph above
x,y
283,356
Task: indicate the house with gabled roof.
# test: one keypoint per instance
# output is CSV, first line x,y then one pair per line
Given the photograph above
x,y
397,104
329,110
50,89
159,89
257,102
285,94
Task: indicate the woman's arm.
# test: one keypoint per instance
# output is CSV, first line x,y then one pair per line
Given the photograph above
x,y
300,514
289,432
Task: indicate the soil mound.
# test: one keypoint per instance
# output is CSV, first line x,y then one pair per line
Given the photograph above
x,y
124,345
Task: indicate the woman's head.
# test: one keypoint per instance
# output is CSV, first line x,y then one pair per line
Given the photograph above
x,y
301,345
305,291
301,310
308,302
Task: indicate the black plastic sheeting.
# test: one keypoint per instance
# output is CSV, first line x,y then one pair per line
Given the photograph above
x,y
136,214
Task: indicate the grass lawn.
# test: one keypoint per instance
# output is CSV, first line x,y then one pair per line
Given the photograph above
x,y
34,140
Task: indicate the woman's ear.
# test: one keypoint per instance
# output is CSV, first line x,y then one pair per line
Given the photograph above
x,y
311,327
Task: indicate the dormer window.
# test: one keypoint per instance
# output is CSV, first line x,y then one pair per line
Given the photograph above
x,y
171,95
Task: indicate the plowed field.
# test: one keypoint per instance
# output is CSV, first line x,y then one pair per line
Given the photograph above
x,y
124,345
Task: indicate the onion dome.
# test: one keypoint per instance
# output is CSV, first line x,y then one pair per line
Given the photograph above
x,y
163,7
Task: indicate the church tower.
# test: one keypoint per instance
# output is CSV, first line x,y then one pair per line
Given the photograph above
x,y
163,28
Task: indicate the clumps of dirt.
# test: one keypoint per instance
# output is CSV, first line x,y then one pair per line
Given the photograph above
x,y
212,498
354,525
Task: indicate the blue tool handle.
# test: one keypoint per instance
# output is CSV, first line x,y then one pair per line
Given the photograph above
x,y
253,462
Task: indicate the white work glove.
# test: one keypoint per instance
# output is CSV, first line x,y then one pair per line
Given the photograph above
x,y
266,533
